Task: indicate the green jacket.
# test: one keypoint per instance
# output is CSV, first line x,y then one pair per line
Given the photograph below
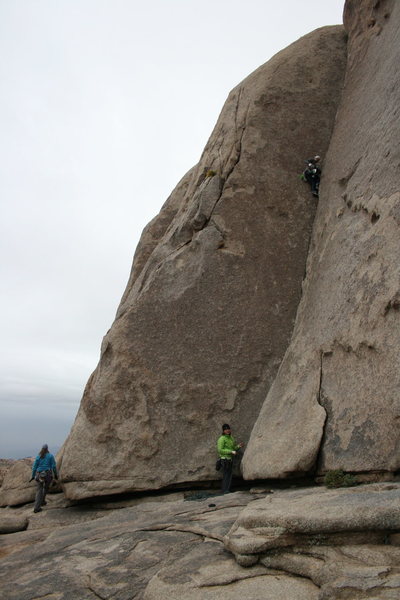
x,y
225,445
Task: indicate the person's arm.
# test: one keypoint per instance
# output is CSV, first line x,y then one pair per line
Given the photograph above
x,y
237,446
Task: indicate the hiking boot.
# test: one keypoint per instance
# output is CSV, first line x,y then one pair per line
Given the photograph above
x,y
37,510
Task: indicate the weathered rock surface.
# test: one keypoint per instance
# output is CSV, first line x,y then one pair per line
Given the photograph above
x,y
308,543
231,240
219,580
335,402
146,551
16,488
5,466
212,297
343,540
7,463
12,523
287,517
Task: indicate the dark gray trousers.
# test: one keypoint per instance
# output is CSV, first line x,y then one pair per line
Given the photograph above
x,y
226,475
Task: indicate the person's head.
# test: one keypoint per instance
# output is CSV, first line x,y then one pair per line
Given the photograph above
x,y
317,158
44,450
226,429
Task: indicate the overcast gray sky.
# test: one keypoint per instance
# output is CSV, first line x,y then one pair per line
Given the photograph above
x,y
104,106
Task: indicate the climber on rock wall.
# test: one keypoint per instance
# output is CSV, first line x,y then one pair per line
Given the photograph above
x,y
312,174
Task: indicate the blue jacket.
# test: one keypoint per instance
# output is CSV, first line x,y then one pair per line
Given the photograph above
x,y
47,463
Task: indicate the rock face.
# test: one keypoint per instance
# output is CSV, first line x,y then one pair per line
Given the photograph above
x,y
344,541
335,402
200,331
11,523
5,466
288,518
211,301
16,488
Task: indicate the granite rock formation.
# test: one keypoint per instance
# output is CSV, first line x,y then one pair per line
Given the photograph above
x,y
309,543
210,305
345,541
148,551
16,488
231,240
335,402
5,466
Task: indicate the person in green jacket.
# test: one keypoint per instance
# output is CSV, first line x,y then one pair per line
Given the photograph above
x,y
227,449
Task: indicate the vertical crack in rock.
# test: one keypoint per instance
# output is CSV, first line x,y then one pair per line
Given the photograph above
x,y
96,594
239,153
238,138
318,458
236,145
238,150
224,184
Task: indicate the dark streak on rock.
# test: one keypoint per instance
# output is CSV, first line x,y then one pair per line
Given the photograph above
x,y
393,304
318,458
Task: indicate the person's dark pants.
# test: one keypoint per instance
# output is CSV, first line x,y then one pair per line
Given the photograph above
x,y
313,180
41,491
226,475
315,185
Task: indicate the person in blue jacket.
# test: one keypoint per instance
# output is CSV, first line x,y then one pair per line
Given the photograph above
x,y
43,470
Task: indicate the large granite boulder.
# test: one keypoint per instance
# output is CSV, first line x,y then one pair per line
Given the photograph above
x,y
360,514
11,523
335,402
211,301
344,541
16,487
5,466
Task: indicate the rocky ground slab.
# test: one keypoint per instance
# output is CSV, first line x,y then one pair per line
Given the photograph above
x,y
337,544
148,550
344,540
